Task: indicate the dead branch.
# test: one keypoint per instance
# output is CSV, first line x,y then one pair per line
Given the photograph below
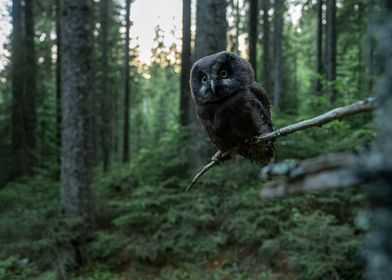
x,y
336,114
198,175
321,173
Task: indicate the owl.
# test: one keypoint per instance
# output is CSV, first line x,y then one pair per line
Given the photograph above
x,y
231,106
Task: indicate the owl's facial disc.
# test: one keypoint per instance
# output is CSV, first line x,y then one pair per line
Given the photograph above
x,y
219,76
216,81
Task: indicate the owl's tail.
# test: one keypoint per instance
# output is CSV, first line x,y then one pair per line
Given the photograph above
x,y
262,154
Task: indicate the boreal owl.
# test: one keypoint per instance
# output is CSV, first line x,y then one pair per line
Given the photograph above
x,y
231,106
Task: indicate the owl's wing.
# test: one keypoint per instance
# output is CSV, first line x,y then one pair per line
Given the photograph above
x,y
264,153
262,96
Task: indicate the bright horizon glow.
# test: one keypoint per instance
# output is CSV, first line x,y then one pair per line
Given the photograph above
x,y
145,15
5,31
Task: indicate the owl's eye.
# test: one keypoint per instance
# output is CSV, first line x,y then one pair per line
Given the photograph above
x,y
223,74
204,79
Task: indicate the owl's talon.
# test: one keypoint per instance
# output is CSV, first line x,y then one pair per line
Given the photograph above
x,y
250,140
217,156
220,156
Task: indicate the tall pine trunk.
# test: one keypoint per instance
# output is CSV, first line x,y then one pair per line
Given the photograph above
x,y
106,132
18,167
369,52
126,84
319,63
211,27
253,22
185,62
237,20
58,81
331,49
30,88
23,117
278,28
76,87
266,46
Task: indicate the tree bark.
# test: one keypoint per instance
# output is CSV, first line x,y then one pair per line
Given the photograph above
x,y
237,21
253,22
211,27
23,112
127,90
278,28
185,62
30,88
331,49
18,167
319,63
76,87
265,5
106,132
58,81
369,52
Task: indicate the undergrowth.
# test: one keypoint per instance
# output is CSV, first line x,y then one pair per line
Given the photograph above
x,y
149,228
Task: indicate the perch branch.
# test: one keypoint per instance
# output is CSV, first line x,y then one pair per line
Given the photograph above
x,y
336,114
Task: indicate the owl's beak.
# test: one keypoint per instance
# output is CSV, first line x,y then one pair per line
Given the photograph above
x,y
213,86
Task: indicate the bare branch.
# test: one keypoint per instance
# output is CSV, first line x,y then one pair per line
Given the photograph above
x,y
321,173
198,175
335,114
366,105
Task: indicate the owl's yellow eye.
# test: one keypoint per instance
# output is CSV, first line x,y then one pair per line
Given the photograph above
x,y
223,74
204,79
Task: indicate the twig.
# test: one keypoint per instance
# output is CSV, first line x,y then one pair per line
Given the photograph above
x,y
338,113
204,170
216,159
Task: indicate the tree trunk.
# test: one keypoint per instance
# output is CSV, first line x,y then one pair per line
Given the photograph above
x,y
116,125
237,21
266,46
211,27
278,28
331,49
378,250
106,133
369,52
30,87
126,84
253,22
58,81
319,63
18,166
76,87
185,62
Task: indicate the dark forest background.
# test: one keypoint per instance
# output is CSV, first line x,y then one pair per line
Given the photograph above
x,y
97,147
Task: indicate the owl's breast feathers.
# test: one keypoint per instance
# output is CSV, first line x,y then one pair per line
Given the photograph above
x,y
240,117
